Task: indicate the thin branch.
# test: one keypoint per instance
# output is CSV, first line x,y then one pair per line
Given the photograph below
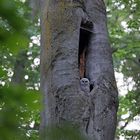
x,y
86,29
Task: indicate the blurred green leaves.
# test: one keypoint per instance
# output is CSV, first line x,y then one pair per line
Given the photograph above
x,y
12,27
8,10
16,104
19,107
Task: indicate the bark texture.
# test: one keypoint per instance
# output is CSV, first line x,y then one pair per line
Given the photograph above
x,y
63,100
101,74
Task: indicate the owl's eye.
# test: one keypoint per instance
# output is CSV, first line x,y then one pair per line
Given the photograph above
x,y
84,81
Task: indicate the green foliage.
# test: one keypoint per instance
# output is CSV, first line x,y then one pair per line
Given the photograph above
x,y
12,27
17,105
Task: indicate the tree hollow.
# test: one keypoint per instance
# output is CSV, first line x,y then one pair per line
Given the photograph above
x,y
84,41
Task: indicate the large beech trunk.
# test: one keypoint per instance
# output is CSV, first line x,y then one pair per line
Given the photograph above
x,y
63,101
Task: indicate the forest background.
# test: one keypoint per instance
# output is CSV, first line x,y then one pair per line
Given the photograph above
x,y
20,60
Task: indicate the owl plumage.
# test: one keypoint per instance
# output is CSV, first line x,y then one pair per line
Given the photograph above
x,y
85,85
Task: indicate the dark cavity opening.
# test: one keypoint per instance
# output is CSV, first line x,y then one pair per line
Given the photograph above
x,y
84,41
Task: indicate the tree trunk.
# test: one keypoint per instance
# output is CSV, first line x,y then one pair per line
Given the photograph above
x,y
64,25
19,68
34,5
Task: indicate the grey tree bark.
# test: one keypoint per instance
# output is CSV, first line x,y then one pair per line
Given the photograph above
x,y
63,99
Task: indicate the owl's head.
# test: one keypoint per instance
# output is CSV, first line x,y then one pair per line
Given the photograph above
x,y
85,81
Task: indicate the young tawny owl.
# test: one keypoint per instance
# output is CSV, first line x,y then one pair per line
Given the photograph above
x,y
85,85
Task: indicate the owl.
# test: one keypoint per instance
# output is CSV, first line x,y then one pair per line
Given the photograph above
x,y
85,85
